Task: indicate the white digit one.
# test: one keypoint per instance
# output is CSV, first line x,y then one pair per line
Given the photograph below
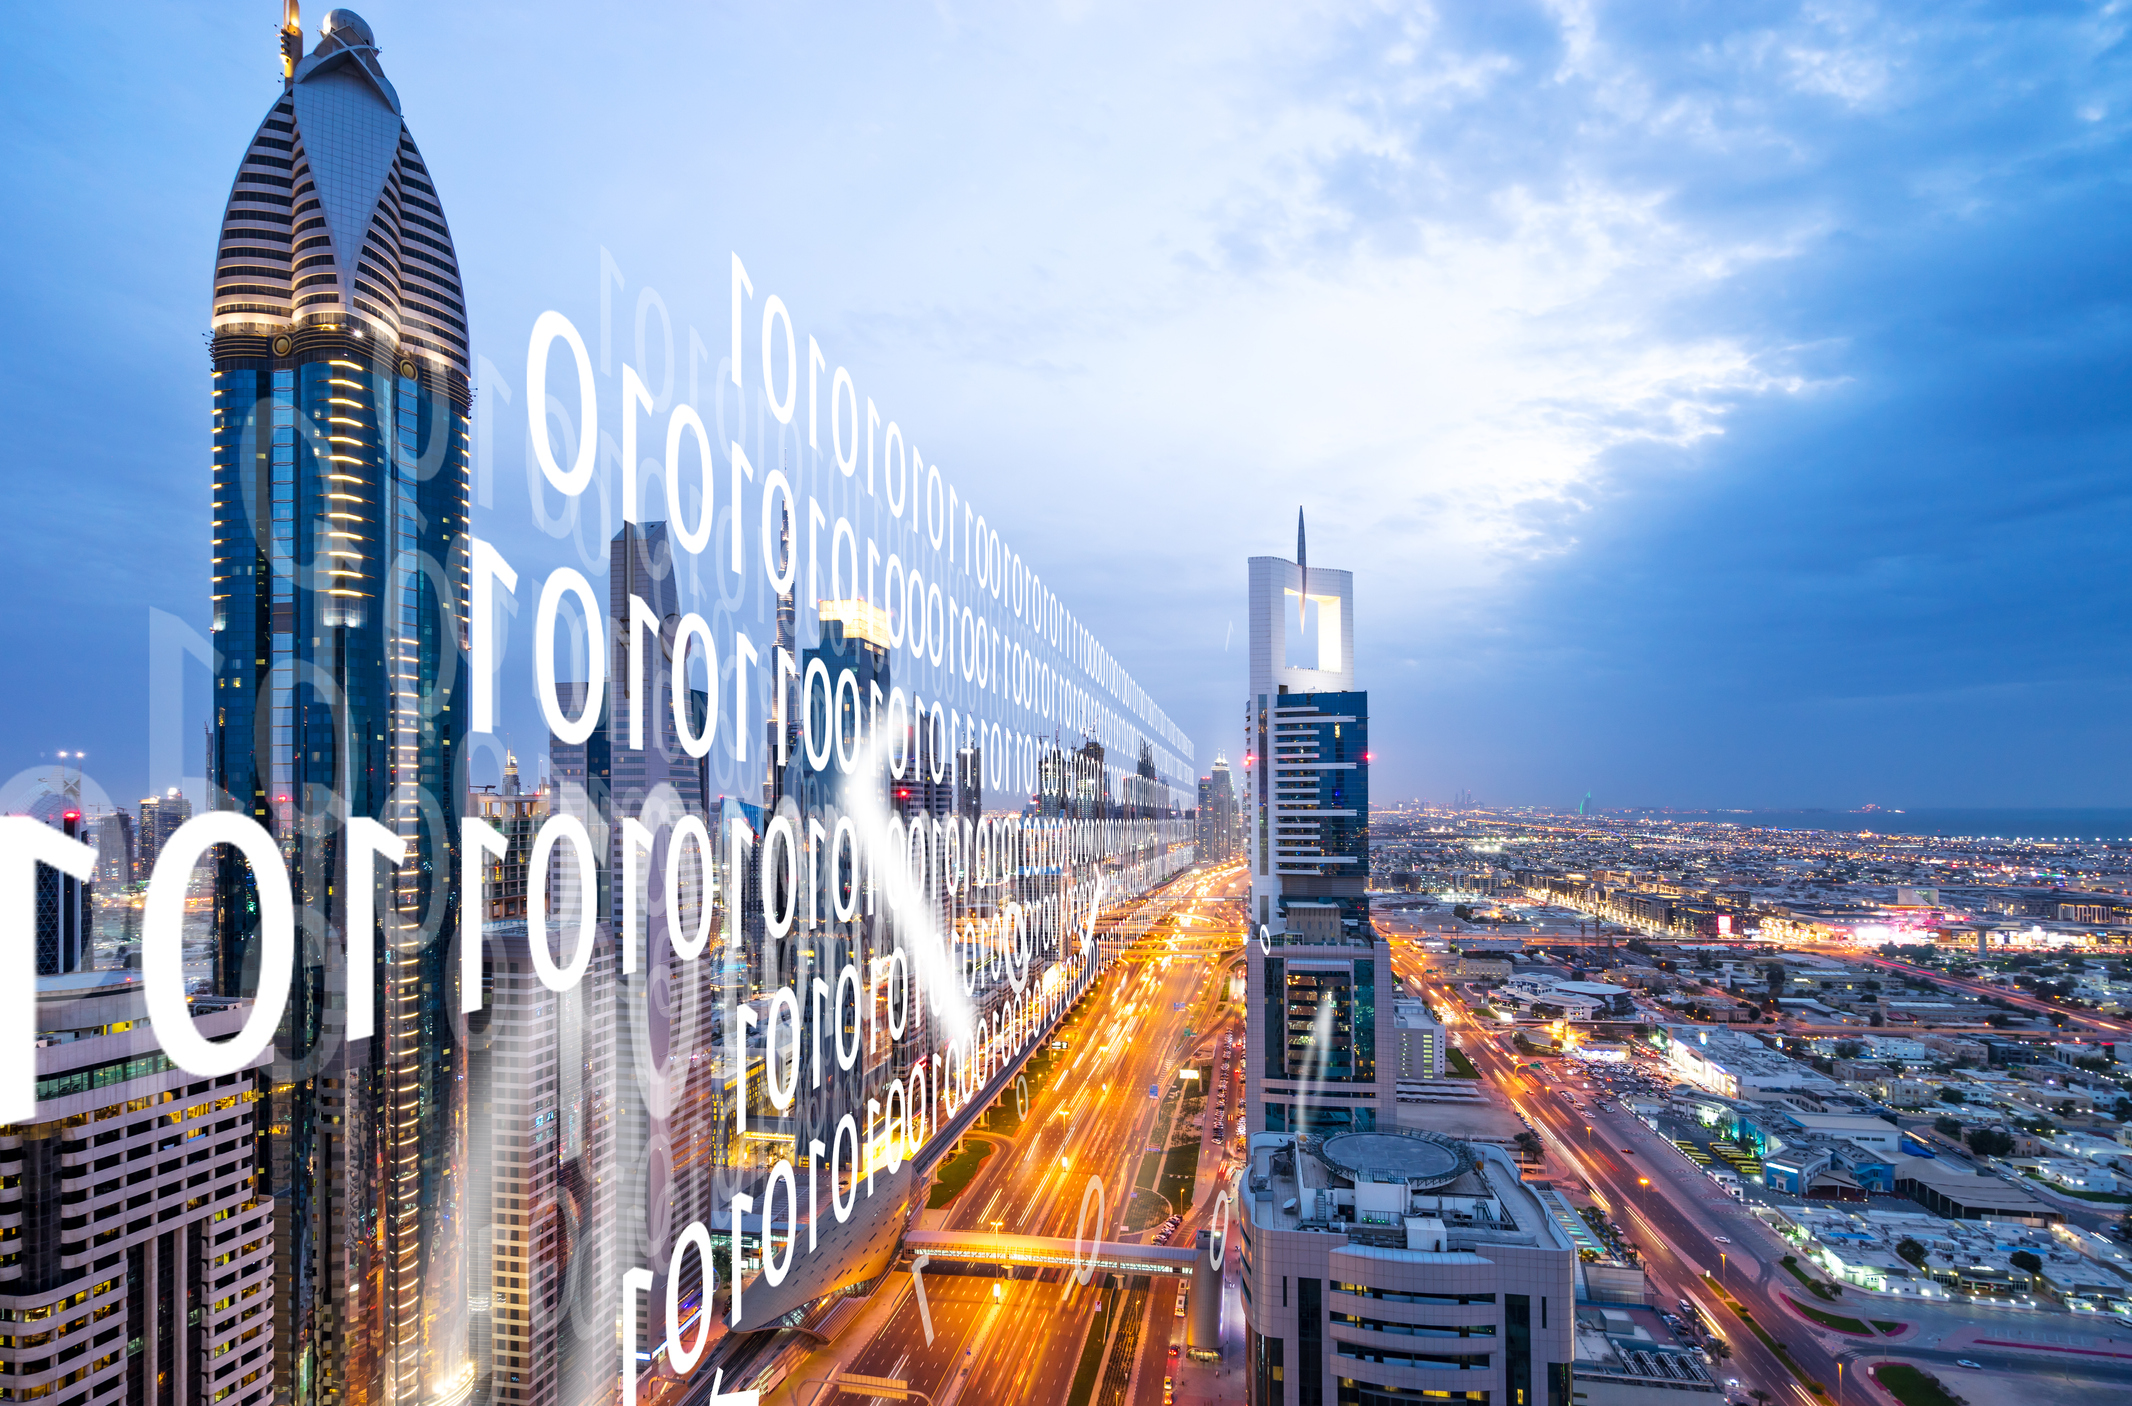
x,y
477,840
366,842
634,1282
163,942
24,844
487,570
637,839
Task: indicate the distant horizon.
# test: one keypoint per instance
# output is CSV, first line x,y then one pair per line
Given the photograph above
x,y
1754,810
1981,822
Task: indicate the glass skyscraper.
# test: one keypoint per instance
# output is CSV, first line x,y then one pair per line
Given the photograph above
x,y
1319,981
340,604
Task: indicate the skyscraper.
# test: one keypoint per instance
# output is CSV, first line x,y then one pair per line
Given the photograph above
x,y
518,813
160,818
340,499
65,905
1320,985
1215,842
114,849
1350,1212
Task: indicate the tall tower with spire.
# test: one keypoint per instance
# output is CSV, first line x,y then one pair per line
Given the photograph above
x,y
339,345
1310,651
1315,1023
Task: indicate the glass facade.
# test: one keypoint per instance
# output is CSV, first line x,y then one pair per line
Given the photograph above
x,y
340,520
1310,1340
1319,772
1321,1020
1264,1359
1517,1344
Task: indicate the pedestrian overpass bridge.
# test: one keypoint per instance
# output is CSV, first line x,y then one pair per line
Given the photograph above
x,y
1048,1252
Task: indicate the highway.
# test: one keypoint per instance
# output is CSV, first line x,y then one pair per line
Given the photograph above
x,y
1021,1339
2012,996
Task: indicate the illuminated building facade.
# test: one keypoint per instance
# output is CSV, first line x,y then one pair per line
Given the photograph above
x,y
517,813
160,818
1305,822
1216,839
339,348
112,1291
1390,1267
65,907
1319,981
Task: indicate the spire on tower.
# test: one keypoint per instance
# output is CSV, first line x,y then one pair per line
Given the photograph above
x,y
1302,561
292,42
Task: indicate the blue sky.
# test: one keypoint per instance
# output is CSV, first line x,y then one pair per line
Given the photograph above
x,y
1718,405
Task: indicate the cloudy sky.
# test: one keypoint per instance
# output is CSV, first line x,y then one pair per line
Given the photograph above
x,y
1718,405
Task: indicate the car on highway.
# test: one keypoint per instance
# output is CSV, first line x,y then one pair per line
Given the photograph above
x,y
1972,1366
1722,1239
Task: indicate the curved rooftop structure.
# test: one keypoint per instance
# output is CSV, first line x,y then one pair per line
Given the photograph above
x,y
333,221
1421,1160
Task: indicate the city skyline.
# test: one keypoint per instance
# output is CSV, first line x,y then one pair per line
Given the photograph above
x,y
1560,578
779,918
702,799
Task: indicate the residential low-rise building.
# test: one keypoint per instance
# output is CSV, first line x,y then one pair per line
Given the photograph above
x,y
1955,1194
1864,1129
1628,1356
2076,1174
1737,1065
1420,1037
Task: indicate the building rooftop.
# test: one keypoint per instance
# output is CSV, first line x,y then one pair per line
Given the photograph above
x,y
1634,1345
1397,1191
1421,1160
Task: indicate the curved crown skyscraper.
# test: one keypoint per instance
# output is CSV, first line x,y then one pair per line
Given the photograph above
x,y
333,220
340,534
